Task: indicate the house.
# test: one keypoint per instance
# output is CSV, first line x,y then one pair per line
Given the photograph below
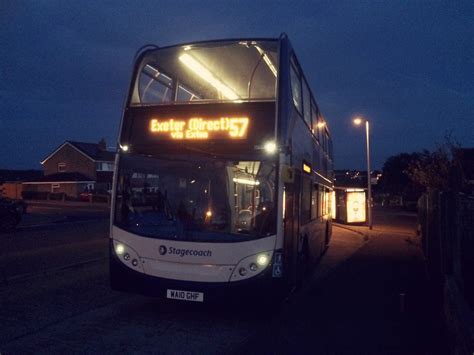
x,y
75,167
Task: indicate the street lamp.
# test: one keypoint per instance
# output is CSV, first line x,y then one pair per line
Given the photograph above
x,y
358,121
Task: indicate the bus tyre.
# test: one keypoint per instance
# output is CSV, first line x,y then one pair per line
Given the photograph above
x,y
303,260
114,273
326,238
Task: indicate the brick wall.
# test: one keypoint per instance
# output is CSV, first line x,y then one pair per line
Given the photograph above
x,y
75,162
71,190
11,190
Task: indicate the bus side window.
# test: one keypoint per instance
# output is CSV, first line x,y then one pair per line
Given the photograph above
x,y
296,86
321,201
320,130
314,118
306,200
307,104
314,202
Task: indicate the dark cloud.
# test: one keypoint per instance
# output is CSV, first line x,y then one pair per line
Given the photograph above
x,y
407,66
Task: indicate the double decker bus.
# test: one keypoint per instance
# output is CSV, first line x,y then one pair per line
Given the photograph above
x,y
223,173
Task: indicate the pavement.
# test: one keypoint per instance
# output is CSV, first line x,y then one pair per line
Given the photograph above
x,y
49,305
378,301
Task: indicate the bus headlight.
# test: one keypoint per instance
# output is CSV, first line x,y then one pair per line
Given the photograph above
x,y
119,248
128,256
262,259
251,266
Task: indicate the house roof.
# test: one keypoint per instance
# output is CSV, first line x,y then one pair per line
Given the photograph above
x,y
93,151
62,177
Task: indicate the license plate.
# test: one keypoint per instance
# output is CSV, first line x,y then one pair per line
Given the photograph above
x,y
185,295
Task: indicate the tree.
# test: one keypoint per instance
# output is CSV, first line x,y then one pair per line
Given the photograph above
x,y
396,177
439,169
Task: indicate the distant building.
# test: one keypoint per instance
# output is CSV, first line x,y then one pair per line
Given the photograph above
x,y
73,168
355,178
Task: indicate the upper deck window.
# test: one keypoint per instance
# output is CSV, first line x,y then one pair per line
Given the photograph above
x,y
307,104
213,71
296,86
314,117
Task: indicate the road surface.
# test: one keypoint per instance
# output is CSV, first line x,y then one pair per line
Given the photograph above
x,y
55,297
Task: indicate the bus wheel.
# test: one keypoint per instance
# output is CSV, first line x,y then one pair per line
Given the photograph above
x,y
327,235
303,260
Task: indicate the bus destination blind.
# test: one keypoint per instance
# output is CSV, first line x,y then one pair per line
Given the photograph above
x,y
199,128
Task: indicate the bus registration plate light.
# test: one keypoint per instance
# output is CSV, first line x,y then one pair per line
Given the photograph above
x,y
185,295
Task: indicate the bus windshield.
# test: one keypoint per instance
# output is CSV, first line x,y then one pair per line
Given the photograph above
x,y
212,71
196,198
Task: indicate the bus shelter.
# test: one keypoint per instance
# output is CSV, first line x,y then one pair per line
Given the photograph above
x,y
350,205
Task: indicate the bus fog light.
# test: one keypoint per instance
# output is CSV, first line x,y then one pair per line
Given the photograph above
x,y
262,260
134,262
253,267
119,249
126,256
242,271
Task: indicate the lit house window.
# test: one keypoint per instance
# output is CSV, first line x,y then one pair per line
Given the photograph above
x,y
55,188
61,167
104,166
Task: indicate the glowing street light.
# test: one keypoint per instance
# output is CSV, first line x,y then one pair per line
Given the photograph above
x,y
358,121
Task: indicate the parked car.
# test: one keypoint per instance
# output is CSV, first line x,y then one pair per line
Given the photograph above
x,y
11,212
85,196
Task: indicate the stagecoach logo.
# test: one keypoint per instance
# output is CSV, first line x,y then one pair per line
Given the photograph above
x,y
163,250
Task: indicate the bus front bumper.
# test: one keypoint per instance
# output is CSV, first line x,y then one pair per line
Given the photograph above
x,y
260,287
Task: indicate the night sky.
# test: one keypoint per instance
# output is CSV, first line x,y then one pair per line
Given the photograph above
x,y
408,66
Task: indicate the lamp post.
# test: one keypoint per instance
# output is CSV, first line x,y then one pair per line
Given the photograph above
x,y
358,121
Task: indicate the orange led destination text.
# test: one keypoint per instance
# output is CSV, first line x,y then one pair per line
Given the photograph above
x,y
201,128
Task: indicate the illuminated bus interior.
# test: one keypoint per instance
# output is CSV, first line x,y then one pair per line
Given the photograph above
x,y
212,71
201,198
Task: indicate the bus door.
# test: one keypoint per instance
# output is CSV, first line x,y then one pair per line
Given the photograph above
x,y
291,228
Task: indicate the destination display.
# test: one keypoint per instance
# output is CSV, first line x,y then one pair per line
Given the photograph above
x,y
200,128
217,127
